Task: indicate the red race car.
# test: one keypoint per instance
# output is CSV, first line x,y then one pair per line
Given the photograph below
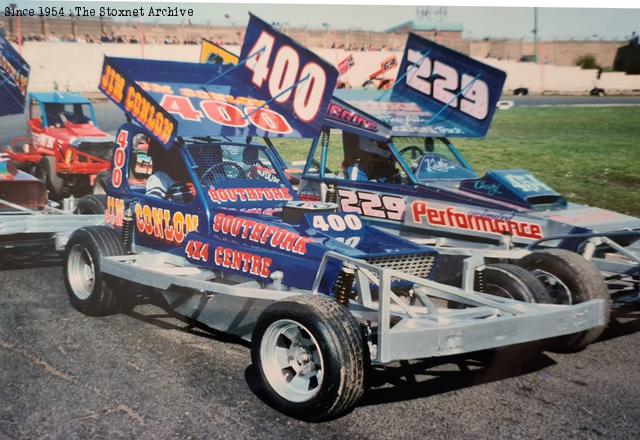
x,y
65,149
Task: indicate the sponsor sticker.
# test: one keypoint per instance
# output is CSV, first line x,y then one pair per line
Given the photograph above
x,y
129,96
114,212
222,195
479,221
241,261
264,234
163,224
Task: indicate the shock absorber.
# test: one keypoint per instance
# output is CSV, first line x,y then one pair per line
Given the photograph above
x,y
127,229
343,285
331,196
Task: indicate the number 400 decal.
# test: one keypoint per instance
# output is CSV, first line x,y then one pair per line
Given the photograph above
x,y
474,99
283,74
337,223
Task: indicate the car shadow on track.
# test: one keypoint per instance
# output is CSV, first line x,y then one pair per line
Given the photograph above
x,y
402,381
163,317
624,321
21,260
418,379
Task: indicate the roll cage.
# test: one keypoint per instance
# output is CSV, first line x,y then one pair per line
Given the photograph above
x,y
50,108
397,150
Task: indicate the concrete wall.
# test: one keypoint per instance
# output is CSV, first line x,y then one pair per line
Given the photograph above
x,y
76,67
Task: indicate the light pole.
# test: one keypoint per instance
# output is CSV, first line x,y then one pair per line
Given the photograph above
x,y
327,26
233,26
12,6
535,35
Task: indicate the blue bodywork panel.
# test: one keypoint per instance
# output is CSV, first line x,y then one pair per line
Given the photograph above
x,y
438,92
279,90
235,222
14,78
426,187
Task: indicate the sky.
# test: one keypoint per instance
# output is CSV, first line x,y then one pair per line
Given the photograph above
x,y
478,22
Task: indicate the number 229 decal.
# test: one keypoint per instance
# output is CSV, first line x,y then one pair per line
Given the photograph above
x,y
371,204
443,82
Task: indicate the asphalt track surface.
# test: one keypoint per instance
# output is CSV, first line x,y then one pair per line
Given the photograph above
x,y
147,374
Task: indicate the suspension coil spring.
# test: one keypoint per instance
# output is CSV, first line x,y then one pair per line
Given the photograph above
x,y
479,281
127,230
343,285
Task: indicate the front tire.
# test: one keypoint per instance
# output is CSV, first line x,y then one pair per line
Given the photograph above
x,y
46,171
570,279
511,281
100,184
90,291
91,204
309,356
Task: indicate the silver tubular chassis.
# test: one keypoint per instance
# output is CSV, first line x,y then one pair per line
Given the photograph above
x,y
398,329
621,263
52,224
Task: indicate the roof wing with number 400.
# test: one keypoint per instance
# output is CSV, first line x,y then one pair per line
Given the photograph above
x,y
339,114
280,89
290,78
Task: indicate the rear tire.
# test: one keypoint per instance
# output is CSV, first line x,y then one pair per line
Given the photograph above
x,y
511,281
90,291
46,171
514,282
91,204
570,279
309,356
100,184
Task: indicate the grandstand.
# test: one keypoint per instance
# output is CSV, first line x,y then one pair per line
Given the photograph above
x,y
49,44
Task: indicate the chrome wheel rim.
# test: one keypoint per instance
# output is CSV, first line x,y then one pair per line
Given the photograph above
x,y
559,291
81,272
291,360
497,290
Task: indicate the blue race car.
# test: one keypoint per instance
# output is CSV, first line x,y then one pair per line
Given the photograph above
x,y
199,210
401,171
